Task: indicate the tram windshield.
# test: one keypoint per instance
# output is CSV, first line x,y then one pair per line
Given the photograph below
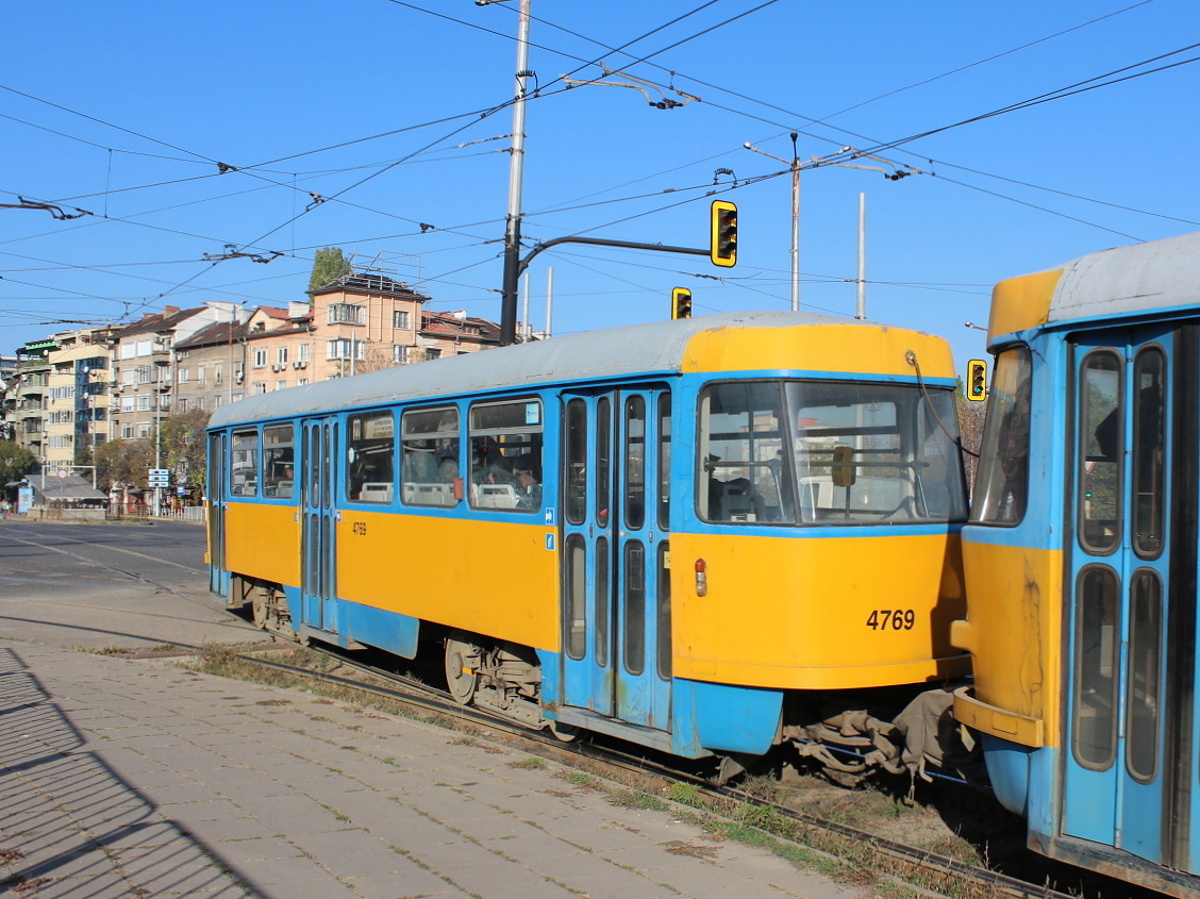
x,y
828,453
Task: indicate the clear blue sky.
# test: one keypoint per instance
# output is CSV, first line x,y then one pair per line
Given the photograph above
x,y
380,107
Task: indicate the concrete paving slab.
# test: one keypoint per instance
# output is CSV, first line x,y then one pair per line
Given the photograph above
x,y
123,777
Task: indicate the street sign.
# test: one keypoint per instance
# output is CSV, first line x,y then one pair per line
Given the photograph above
x,y
160,472
62,472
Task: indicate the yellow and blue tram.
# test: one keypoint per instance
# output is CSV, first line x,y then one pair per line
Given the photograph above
x,y
1081,562
709,536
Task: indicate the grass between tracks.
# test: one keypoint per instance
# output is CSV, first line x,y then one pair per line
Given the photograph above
x,y
842,858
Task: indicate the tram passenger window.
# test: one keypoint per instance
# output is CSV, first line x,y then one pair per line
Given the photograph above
x,y
1101,434
1097,648
430,463
1002,482
635,462
1148,461
279,460
664,461
244,478
845,452
370,451
742,474
575,460
506,455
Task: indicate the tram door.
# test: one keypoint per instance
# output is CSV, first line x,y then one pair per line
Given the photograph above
x,y
218,462
615,554
1131,675
318,499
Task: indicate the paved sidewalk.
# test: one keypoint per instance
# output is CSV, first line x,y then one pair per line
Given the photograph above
x,y
123,778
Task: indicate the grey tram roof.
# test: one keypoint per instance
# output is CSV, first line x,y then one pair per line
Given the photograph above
x,y
1158,274
612,353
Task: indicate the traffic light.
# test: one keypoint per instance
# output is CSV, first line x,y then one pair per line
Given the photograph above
x,y
681,303
976,380
723,243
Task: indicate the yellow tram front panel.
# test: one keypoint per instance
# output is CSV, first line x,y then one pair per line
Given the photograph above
x,y
263,540
1015,635
814,612
487,577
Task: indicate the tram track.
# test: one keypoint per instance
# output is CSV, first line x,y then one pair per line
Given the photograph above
x,y
863,855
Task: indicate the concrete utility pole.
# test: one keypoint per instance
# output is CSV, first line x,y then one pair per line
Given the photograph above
x,y
860,311
516,163
794,165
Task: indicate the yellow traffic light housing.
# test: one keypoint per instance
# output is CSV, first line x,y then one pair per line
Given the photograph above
x,y
976,380
681,303
723,240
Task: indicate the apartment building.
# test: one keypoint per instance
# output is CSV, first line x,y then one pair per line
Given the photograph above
x,y
143,363
210,367
28,396
78,385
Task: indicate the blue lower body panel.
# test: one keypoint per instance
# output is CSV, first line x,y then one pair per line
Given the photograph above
x,y
1008,770
390,631
727,718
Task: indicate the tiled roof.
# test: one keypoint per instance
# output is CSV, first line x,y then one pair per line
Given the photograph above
x,y
156,322
214,335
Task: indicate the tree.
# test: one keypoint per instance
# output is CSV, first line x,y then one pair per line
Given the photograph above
x,y
971,417
182,448
125,462
328,265
15,461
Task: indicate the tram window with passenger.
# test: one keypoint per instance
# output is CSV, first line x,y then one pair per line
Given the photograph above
x,y
506,455
279,459
370,454
810,452
244,458
430,465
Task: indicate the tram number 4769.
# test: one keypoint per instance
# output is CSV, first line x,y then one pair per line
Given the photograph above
x,y
895,619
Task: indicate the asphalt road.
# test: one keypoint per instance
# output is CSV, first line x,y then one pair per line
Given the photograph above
x,y
102,585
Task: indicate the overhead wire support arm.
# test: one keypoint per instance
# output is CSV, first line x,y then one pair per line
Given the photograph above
x,y
56,211
640,85
232,253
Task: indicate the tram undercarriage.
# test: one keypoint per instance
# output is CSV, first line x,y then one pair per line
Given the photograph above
x,y
849,745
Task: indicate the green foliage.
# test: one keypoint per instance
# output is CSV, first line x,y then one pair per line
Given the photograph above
x,y
328,265
183,447
124,462
15,461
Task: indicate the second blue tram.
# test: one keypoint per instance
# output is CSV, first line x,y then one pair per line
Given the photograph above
x,y
1082,562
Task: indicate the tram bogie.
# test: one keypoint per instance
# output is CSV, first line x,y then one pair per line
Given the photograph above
x,y
694,535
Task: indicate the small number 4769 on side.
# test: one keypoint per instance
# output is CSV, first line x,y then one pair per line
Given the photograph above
x,y
896,619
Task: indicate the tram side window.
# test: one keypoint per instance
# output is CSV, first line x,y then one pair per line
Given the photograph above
x,y
430,465
279,459
1097,648
506,455
370,451
1002,484
742,475
244,479
1101,437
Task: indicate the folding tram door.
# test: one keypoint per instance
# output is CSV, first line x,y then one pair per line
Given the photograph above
x,y
218,462
1130,680
318,501
615,554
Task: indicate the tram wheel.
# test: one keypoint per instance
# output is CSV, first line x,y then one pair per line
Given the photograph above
x,y
259,608
565,733
462,660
